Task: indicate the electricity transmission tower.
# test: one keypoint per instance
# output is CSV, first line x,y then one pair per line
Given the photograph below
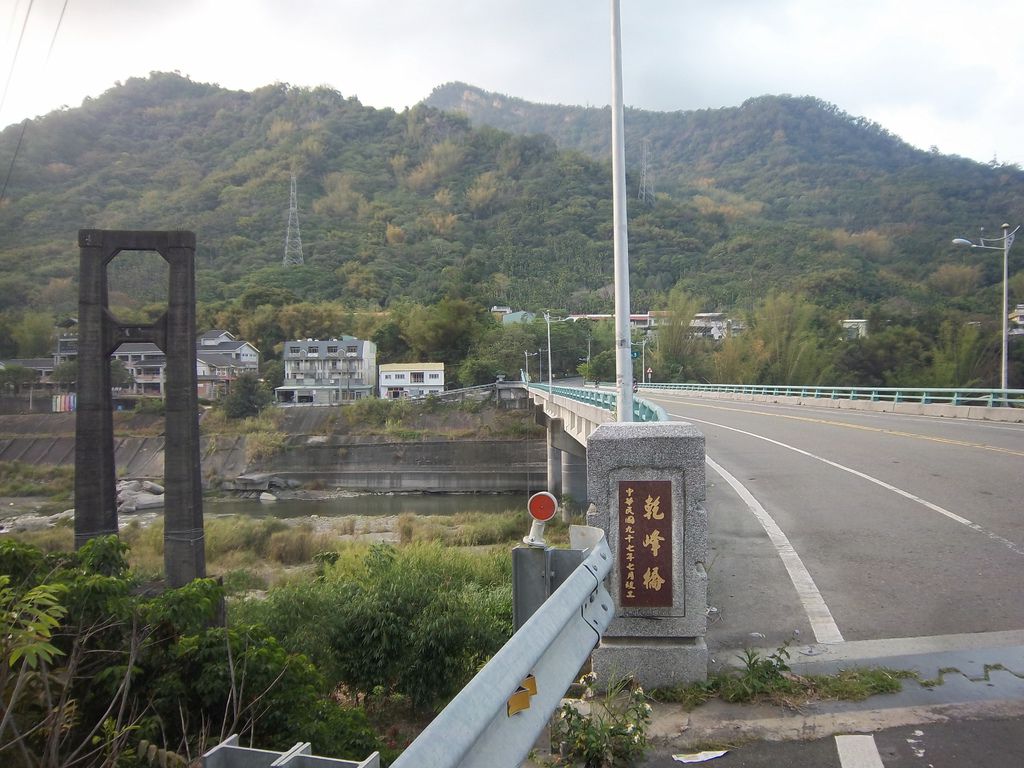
x,y
293,238
646,192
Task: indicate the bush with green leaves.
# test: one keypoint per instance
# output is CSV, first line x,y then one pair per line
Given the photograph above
x,y
601,733
417,620
91,666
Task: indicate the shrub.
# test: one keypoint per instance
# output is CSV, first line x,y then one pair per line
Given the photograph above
x,y
613,732
416,621
123,667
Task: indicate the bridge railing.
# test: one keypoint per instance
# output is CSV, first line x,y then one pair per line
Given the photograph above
x,y
926,395
642,410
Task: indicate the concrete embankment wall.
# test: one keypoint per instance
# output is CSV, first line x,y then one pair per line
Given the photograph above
x,y
427,465
371,464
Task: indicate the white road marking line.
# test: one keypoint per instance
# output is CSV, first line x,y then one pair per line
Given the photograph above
x,y
822,624
905,494
858,752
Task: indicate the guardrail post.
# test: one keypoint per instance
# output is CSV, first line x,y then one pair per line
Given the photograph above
x,y
646,483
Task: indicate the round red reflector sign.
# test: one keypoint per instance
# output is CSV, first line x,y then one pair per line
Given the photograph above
x,y
542,506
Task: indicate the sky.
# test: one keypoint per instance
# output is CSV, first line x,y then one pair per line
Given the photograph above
x,y
936,73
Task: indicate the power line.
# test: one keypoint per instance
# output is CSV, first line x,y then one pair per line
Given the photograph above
x,y
17,50
24,125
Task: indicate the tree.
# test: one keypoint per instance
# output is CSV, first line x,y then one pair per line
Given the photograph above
x,y
120,376
272,373
247,397
33,334
65,374
14,377
681,355
893,357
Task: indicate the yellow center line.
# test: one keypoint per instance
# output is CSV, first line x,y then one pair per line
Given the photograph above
x,y
893,432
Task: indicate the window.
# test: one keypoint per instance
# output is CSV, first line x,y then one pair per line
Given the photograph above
x,y
351,349
332,350
435,376
417,377
294,350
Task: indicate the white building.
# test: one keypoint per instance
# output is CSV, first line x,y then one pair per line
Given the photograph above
x,y
397,380
327,372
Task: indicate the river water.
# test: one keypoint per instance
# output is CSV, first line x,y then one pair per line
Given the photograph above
x,y
371,505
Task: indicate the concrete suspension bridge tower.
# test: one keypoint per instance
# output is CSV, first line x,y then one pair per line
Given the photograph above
x,y
293,238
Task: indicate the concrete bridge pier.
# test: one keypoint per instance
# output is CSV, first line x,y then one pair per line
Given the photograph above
x,y
574,477
567,465
554,468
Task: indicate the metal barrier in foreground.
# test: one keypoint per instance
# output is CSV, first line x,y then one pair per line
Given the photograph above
x,y
228,754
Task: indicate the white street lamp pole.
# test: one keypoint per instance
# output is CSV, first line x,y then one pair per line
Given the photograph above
x,y
623,360
547,319
527,356
1007,242
1007,239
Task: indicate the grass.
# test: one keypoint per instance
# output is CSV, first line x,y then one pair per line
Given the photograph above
x,y
18,478
473,529
769,678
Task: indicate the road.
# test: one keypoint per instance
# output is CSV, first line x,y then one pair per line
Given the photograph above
x,y
899,526
898,540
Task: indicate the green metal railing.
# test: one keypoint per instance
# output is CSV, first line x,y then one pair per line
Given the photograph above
x,y
927,395
642,410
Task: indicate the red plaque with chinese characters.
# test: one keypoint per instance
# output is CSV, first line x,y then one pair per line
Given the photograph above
x,y
645,543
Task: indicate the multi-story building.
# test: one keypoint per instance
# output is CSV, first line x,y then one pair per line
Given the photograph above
x,y
327,372
220,359
397,380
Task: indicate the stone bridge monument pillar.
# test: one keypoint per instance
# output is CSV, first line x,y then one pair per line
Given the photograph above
x,y
645,482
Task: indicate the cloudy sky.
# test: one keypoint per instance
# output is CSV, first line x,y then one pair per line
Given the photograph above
x,y
944,73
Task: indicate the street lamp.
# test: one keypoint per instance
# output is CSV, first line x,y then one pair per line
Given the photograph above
x,y
1005,242
547,320
528,355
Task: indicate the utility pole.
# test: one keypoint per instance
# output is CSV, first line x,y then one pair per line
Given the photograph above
x,y
293,238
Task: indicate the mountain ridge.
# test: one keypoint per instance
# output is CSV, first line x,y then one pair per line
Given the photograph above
x,y
781,193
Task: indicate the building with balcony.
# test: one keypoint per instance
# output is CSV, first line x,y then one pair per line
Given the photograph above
x,y
398,380
327,372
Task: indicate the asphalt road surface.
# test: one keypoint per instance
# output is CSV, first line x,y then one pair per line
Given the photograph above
x,y
830,527
851,525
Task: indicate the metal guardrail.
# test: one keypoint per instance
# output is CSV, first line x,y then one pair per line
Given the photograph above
x,y
926,395
496,719
642,409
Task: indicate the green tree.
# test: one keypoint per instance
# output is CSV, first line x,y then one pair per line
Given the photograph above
x,y
894,357
246,398
33,333
680,354
272,373
965,356
14,378
785,325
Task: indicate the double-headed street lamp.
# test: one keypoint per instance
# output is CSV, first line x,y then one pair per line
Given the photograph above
x,y
1005,242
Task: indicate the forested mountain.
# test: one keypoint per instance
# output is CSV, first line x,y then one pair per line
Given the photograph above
x,y
780,193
